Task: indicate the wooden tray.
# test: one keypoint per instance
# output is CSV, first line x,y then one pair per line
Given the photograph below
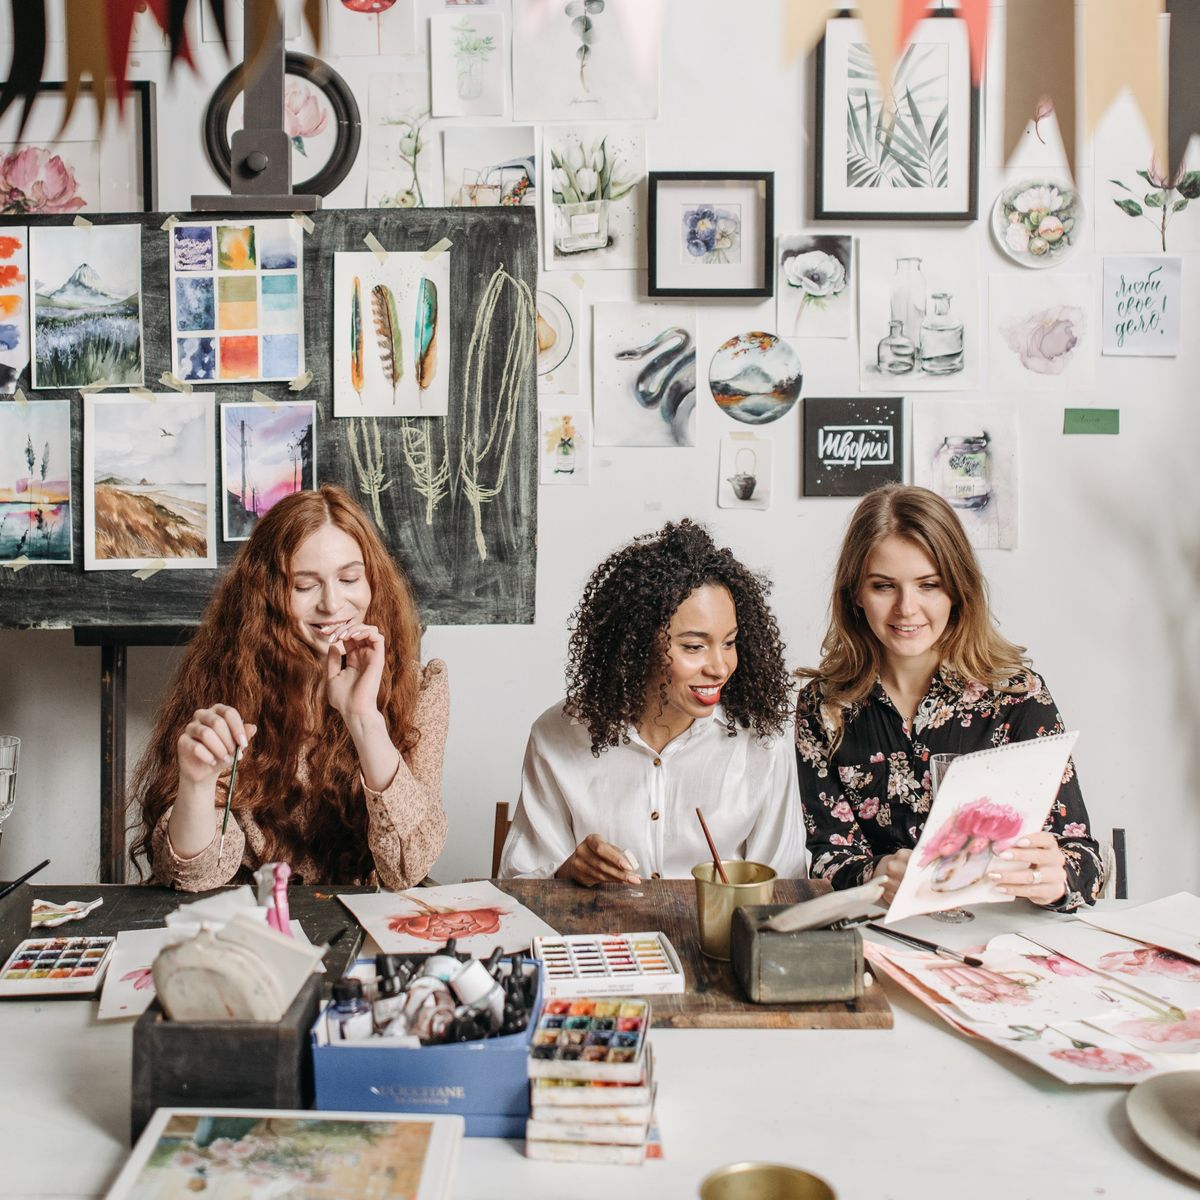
x,y
713,999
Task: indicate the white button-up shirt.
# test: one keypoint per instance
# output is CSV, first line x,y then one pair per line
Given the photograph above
x,y
644,800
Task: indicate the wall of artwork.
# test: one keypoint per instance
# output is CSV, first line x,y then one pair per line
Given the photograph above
x,y
951,353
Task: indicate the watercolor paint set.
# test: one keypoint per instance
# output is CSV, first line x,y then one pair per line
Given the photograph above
x,y
56,966
591,1038
622,964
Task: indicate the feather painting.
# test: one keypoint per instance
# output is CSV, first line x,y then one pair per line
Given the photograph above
x,y
356,338
387,335
425,333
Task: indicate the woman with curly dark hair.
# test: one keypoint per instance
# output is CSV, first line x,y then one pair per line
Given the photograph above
x,y
308,661
677,695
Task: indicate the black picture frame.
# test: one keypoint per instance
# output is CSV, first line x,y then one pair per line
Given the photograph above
x,y
341,100
144,125
664,279
825,210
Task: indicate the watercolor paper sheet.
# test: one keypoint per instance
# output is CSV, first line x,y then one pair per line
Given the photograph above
x,y
391,353
559,332
814,289
986,801
149,494
966,452
928,283
466,64
35,481
489,165
354,29
87,305
1171,923
566,449
14,306
1042,331
571,63
237,301
267,452
404,157
1143,303
288,1152
129,984
594,186
478,916
852,445
644,374
744,472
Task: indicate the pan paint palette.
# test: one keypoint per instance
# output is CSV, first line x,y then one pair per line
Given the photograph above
x,y
56,966
622,964
591,1038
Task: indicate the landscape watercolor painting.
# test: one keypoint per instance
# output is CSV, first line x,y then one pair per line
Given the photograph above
x,y
267,452
35,481
87,305
148,482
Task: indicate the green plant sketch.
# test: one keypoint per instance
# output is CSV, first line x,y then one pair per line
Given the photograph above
x,y
580,14
906,146
1164,199
432,479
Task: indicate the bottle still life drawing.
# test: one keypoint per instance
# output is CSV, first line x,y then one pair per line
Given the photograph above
x,y
923,334
963,466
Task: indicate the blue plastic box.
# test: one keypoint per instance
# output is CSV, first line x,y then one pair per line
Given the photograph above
x,y
486,1082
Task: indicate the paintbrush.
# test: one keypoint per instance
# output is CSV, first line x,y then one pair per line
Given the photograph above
x,y
16,883
713,847
968,960
228,800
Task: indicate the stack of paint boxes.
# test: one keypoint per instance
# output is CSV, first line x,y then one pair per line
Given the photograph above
x,y
592,1086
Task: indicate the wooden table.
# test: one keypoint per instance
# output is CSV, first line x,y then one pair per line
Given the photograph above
x,y
714,1000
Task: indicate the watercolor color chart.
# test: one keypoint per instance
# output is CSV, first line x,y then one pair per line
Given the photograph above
x,y
14,307
58,966
590,1038
623,964
237,301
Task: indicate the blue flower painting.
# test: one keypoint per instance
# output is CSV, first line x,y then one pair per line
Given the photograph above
x,y
193,247
194,304
197,357
712,234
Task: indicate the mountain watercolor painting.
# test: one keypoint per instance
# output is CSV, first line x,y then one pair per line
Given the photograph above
x,y
87,320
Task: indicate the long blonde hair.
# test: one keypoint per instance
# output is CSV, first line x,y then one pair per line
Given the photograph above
x,y
971,646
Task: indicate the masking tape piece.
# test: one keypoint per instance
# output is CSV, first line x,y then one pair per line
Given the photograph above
x,y
304,220
98,386
20,397
169,223
143,393
376,247
300,382
81,223
153,569
262,398
437,248
19,563
578,280
167,379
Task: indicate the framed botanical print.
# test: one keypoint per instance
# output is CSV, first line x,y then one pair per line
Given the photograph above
x,y
711,233
917,161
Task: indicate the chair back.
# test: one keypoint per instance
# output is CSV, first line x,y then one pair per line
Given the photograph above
x,y
499,835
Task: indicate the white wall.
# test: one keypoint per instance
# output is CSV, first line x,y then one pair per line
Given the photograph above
x,y
1103,589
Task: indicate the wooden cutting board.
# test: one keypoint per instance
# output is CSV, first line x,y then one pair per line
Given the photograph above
x,y
713,999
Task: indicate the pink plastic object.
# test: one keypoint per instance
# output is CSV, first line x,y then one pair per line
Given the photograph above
x,y
278,916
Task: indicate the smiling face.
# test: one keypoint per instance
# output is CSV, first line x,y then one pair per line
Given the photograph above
x,y
905,602
329,586
701,656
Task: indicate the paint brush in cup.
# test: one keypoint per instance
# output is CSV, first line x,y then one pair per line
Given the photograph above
x,y
228,800
713,847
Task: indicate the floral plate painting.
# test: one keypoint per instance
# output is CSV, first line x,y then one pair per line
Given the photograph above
x,y
755,377
1037,223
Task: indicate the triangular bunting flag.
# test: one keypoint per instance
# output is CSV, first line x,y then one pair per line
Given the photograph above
x,y
1039,64
975,13
87,54
803,27
1183,114
911,11
881,24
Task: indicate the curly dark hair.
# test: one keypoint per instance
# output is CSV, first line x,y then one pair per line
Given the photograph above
x,y
619,634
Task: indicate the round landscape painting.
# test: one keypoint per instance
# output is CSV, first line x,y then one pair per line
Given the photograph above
x,y
755,377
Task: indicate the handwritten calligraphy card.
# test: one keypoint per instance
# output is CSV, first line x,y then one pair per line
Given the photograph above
x,y
852,445
1142,304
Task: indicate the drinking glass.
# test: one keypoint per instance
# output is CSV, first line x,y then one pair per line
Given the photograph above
x,y
939,764
9,747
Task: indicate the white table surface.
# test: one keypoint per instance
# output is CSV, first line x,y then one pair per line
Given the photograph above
x,y
913,1112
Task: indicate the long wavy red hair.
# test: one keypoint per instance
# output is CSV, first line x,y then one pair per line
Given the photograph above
x,y
247,653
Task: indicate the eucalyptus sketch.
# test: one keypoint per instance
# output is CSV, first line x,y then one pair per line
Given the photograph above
x,y
580,14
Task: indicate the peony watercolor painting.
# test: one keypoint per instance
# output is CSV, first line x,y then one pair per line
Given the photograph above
x,y
1042,333
47,180
814,289
1038,223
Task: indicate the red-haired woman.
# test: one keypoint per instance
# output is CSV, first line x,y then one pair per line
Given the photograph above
x,y
307,659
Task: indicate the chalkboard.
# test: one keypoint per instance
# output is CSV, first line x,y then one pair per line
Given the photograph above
x,y
470,548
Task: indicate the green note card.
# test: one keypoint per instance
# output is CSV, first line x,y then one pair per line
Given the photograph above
x,y
1091,420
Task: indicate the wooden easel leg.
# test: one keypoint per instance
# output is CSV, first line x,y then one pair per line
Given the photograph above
x,y
113,662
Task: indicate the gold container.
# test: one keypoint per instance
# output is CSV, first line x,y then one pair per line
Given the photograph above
x,y
749,883
763,1181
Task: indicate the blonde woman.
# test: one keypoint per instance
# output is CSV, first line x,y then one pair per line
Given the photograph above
x,y
913,665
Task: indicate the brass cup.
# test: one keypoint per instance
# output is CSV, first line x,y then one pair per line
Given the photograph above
x,y
763,1181
749,883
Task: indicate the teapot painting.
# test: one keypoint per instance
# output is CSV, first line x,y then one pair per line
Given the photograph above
x,y
744,480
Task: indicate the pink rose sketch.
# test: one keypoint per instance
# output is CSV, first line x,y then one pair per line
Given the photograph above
x,y
1150,961
1045,341
36,180
304,115
962,849
1096,1058
1173,1027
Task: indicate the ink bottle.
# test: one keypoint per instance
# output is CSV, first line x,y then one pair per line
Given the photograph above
x,y
388,1005
349,1016
964,464
941,339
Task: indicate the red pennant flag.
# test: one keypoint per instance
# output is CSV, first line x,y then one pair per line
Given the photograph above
x,y
975,13
911,11
120,35
162,14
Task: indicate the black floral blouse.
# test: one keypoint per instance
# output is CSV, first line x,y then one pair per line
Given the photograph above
x,y
871,800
